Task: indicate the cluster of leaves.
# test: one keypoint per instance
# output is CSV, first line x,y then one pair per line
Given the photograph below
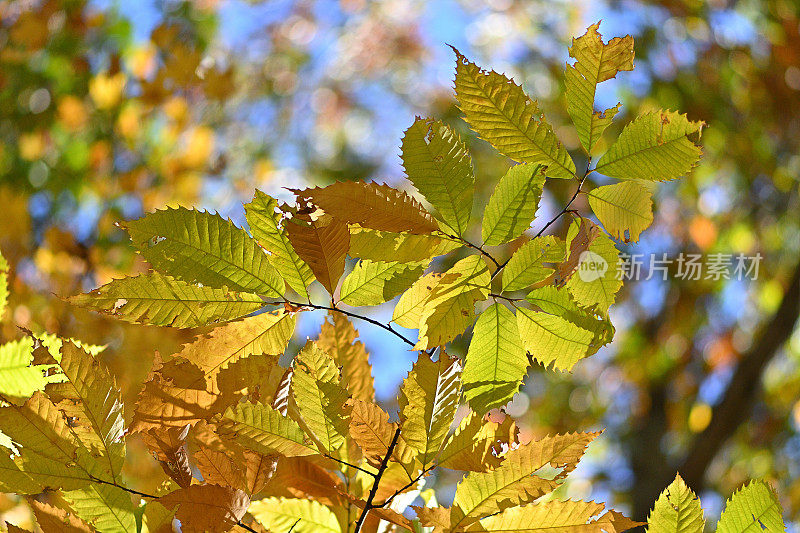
x,y
307,444
754,507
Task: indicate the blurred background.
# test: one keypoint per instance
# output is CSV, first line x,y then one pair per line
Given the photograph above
x,y
112,109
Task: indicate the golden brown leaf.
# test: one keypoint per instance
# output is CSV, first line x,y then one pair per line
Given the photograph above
x,y
57,520
323,245
338,338
372,205
267,333
175,395
298,477
169,447
209,508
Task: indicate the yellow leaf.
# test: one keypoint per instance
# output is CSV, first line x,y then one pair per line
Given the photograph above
x,y
337,338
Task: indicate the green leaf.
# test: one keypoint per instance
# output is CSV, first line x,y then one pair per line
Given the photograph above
x,y
595,62
268,228
654,146
677,510
299,516
320,397
375,282
196,246
513,483
526,266
105,507
501,113
18,378
164,301
512,206
428,400
264,430
598,277
561,333
496,361
752,509
477,443
625,209
89,397
376,245
450,307
439,166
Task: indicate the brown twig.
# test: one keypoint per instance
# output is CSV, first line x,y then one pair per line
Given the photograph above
x,y
372,321
374,490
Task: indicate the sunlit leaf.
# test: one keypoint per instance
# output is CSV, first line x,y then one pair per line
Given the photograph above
x,y
499,111
595,62
269,229
439,166
512,206
655,146
371,205
164,301
428,400
301,516
196,246
677,510
323,245
375,282
625,209
528,264
752,509
375,245
496,361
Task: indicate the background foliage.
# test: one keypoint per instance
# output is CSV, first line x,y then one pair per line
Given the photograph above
x,y
109,113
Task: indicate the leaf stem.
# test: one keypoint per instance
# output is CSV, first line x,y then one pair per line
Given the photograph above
x,y
341,461
473,246
387,327
374,490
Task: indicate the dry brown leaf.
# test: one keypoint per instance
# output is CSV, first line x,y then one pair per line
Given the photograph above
x,y
207,508
371,429
267,333
297,477
169,447
57,520
587,233
372,205
175,395
323,245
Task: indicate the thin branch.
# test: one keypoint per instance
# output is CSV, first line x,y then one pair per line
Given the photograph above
x,y
341,461
507,298
407,486
248,528
372,321
553,220
126,489
374,490
473,246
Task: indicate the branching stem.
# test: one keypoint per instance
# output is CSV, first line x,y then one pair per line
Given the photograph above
x,y
374,490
